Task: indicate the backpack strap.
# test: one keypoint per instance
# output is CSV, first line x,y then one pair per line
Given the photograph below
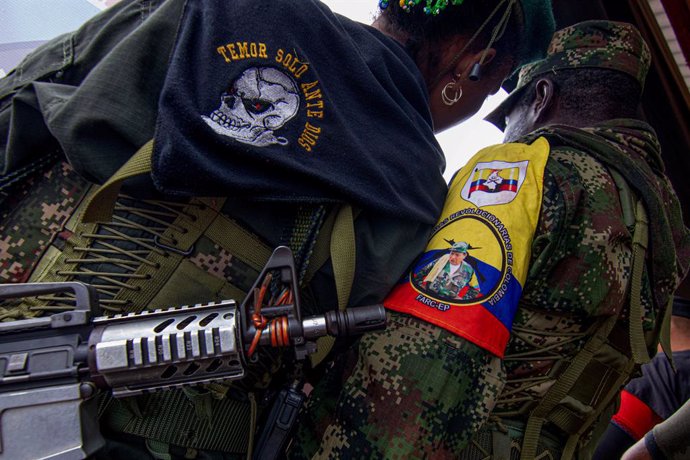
x,y
342,251
322,247
638,346
573,440
343,254
102,203
636,214
547,409
562,386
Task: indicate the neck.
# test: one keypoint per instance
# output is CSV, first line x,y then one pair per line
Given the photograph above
x,y
569,115
581,121
382,25
680,333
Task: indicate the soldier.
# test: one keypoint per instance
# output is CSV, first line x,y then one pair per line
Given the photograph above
x,y
574,303
284,128
450,276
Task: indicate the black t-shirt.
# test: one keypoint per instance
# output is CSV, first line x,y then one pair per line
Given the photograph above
x,y
662,389
653,397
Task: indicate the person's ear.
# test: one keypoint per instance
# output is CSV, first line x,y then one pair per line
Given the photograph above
x,y
544,100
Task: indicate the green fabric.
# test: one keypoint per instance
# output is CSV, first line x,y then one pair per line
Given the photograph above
x,y
642,167
27,212
133,40
635,216
100,208
539,25
343,254
342,249
158,450
171,417
387,245
322,246
562,387
242,243
580,268
597,43
638,346
64,92
407,392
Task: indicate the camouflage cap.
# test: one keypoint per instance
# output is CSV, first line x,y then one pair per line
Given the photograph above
x,y
460,247
590,44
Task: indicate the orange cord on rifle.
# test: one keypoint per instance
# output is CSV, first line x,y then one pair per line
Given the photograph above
x,y
260,321
278,327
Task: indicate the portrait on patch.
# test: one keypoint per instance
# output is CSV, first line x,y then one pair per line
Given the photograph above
x,y
452,276
466,265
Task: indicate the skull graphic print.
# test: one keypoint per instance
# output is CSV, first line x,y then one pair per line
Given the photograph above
x,y
257,103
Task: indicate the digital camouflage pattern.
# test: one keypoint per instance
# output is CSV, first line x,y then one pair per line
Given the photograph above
x,y
33,211
407,395
601,44
632,148
31,214
220,263
411,393
581,257
439,280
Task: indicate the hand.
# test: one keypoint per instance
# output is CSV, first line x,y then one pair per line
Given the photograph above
x,y
638,451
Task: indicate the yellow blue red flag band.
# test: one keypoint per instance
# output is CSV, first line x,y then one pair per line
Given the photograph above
x,y
470,278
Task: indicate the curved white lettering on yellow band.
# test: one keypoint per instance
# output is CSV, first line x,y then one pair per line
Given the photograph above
x,y
470,277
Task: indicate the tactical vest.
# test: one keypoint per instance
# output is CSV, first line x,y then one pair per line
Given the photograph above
x,y
583,387
154,253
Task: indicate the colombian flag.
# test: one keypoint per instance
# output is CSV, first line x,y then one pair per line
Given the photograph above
x,y
494,180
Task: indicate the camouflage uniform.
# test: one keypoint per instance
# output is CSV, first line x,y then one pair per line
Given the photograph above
x,y
439,277
446,284
579,276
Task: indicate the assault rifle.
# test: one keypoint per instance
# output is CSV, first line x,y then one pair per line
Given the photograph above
x,y
51,367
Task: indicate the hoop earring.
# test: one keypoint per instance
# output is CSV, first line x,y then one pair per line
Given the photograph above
x,y
456,97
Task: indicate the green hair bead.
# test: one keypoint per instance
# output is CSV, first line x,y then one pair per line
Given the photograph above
x,y
432,7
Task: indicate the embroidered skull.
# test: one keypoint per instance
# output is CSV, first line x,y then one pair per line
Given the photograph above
x,y
258,102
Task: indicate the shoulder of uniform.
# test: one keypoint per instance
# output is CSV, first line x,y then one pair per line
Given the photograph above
x,y
573,162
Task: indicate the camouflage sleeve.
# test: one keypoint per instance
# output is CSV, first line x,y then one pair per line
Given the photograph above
x,y
581,250
411,391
